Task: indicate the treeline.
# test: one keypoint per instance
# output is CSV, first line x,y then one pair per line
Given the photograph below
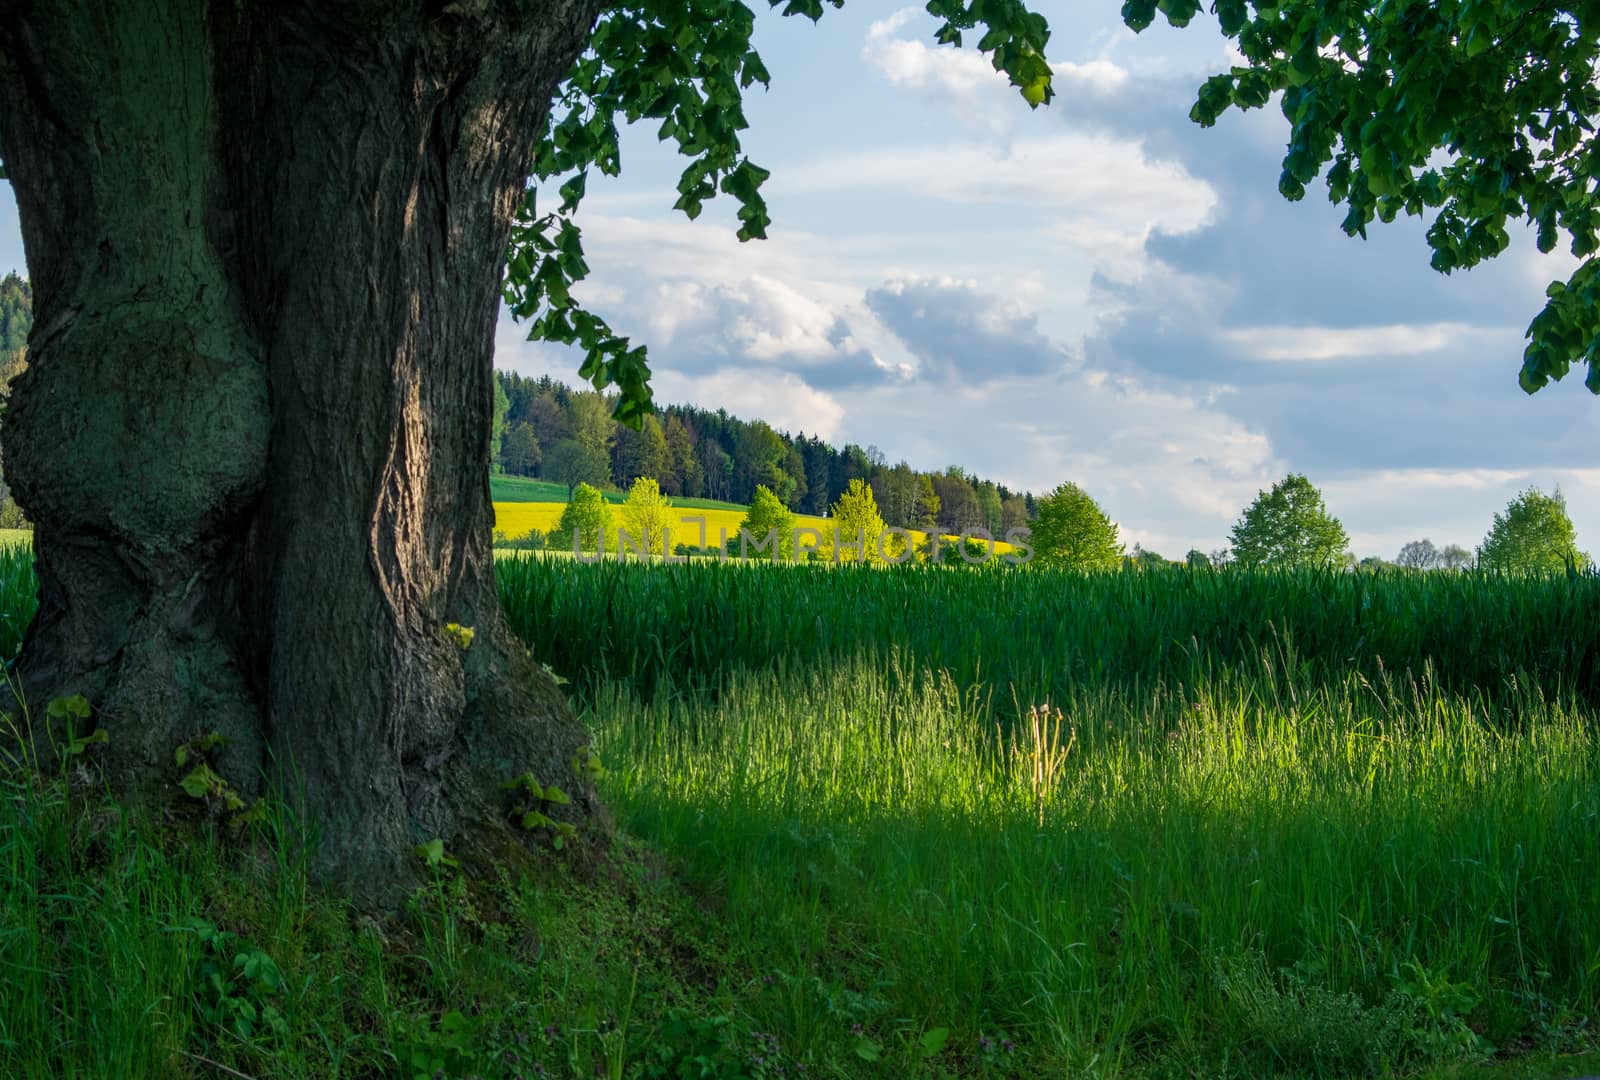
x,y
16,319
546,430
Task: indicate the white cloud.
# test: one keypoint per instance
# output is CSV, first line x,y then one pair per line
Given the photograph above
x,y
917,63
1314,343
1096,177
781,399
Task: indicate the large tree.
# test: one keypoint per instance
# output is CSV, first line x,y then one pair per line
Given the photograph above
x,y
1072,531
267,243
1289,526
1532,535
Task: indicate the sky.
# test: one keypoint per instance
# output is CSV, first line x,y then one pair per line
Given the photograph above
x,y
1097,291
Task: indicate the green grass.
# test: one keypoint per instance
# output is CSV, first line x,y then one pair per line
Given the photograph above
x,y
1235,877
526,489
1040,635
1272,825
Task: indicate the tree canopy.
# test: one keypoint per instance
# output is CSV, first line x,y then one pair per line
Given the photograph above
x,y
1289,526
857,534
585,520
1532,535
766,517
1472,113
1073,531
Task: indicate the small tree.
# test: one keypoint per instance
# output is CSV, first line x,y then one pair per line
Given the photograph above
x,y
587,518
1198,560
1455,557
1533,535
1418,555
1144,558
1071,530
572,463
1289,526
766,515
855,517
647,515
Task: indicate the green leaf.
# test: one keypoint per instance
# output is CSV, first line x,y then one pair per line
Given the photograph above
x,y
200,782
555,795
75,707
933,1041
79,745
433,854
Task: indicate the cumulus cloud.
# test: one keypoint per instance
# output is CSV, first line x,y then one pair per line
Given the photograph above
x,y
900,49
959,332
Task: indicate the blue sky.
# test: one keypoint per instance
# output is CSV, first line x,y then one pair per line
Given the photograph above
x,y
1096,291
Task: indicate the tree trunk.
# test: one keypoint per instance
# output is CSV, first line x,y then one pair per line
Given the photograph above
x,y
266,243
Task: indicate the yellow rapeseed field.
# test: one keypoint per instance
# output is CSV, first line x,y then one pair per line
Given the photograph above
x,y
514,519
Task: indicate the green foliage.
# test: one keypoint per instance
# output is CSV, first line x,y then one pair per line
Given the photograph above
x,y
856,532
768,515
16,317
1472,113
533,802
575,465
647,517
702,457
1533,535
585,521
667,626
1071,531
522,455
688,66
497,427
1289,526
686,1046
532,540
239,988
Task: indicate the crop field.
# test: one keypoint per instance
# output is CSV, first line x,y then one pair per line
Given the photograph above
x,y
515,519
1189,824
928,822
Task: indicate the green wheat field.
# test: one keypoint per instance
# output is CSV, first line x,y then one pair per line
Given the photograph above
x,y
914,822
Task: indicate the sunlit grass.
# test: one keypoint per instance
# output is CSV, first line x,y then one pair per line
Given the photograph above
x,y
1189,874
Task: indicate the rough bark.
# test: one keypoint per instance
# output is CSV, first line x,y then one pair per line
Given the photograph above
x,y
266,244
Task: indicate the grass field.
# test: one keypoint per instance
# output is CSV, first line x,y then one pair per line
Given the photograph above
x,y
1327,825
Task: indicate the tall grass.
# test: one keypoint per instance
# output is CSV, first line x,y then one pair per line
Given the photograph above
x,y
1044,634
1009,823
1261,872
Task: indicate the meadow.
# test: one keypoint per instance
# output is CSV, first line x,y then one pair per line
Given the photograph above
x,y
917,822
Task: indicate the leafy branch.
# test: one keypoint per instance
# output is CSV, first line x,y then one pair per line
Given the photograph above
x,y
686,64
